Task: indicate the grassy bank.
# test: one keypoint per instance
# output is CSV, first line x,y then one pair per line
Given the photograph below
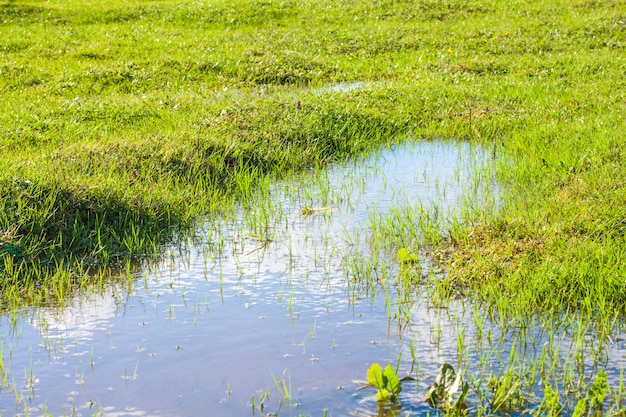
x,y
122,124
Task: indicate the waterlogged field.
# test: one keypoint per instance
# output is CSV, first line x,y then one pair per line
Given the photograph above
x,y
148,212
271,310
281,308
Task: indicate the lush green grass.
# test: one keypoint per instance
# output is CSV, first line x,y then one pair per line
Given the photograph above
x,y
122,124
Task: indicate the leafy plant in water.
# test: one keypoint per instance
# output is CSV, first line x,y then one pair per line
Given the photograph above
x,y
386,381
592,403
447,384
550,405
598,391
507,392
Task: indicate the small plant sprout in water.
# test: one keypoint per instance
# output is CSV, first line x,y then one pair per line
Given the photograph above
x,y
386,381
593,402
260,403
447,384
285,392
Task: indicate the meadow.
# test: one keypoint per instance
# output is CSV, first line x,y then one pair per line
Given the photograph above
x,y
123,125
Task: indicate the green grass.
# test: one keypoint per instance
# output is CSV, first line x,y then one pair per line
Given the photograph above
x,y
121,125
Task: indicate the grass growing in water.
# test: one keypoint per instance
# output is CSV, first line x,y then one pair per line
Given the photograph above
x,y
122,125
142,117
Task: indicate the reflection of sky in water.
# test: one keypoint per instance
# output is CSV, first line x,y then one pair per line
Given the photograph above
x,y
79,321
204,331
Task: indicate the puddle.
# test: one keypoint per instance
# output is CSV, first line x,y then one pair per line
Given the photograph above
x,y
265,310
339,88
342,87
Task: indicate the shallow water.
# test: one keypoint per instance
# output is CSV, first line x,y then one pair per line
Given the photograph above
x,y
267,299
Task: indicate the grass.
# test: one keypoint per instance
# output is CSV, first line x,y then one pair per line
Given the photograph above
x,y
121,126
105,159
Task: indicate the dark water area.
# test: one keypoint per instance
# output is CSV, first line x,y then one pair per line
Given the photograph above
x,y
263,309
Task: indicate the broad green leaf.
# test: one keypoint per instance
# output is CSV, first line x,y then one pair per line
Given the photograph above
x,y
392,381
447,382
383,395
375,376
459,404
436,395
446,377
455,386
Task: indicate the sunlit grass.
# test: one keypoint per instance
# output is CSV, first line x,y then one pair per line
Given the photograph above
x,y
123,125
